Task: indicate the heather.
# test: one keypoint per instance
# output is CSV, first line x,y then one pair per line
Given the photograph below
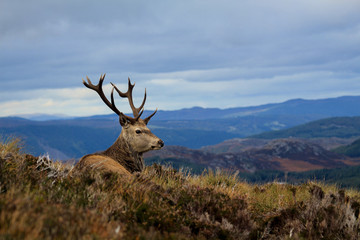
x,y
42,199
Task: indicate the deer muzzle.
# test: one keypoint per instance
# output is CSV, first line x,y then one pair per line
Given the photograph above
x,y
159,145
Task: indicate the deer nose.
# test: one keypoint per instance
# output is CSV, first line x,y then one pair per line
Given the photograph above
x,y
161,143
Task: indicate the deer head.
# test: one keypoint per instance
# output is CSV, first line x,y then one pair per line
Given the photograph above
x,y
134,132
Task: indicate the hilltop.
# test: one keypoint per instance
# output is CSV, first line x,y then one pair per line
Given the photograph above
x,y
39,200
340,127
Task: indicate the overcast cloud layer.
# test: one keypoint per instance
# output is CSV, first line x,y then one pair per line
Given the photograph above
x,y
186,53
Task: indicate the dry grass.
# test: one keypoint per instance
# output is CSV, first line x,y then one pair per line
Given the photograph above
x,y
38,200
10,145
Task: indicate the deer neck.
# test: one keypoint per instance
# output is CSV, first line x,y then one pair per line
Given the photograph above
x,y
123,153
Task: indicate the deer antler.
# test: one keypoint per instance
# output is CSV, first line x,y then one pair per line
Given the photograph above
x,y
146,120
136,111
98,88
128,95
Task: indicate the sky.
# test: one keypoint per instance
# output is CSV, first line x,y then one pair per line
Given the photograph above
x,y
207,53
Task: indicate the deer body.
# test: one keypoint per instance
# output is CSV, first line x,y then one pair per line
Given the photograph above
x,y
125,156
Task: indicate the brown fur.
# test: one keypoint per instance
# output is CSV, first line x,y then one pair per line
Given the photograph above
x,y
102,164
125,156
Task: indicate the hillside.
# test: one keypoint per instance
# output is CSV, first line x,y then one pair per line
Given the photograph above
x,y
351,150
280,154
236,145
346,177
61,141
39,200
340,127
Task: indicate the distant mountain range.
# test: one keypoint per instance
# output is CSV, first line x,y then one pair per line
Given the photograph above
x,y
193,128
43,117
307,110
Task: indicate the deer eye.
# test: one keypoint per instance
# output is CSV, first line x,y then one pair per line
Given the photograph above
x,y
138,131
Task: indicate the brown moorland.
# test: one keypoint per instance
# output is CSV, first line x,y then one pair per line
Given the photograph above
x,y
39,200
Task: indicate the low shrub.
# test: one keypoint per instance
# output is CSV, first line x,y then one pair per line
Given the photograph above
x,y
40,200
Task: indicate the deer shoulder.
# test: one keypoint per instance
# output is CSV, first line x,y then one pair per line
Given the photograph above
x,y
102,164
125,156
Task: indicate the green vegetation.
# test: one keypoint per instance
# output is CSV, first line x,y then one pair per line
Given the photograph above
x,y
341,127
40,200
352,150
347,177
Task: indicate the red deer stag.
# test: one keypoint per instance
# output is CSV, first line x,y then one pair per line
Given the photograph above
x,y
125,155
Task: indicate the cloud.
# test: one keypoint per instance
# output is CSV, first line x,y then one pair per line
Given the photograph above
x,y
165,92
185,52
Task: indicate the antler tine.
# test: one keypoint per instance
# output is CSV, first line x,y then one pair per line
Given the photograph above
x,y
112,97
132,120
143,102
98,88
92,86
146,120
128,95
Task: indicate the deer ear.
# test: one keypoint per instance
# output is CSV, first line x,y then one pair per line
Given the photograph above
x,y
124,122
